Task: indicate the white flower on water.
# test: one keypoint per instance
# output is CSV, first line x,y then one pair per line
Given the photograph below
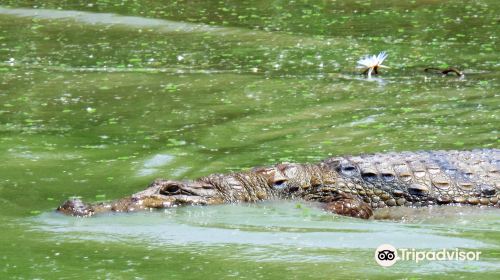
x,y
371,64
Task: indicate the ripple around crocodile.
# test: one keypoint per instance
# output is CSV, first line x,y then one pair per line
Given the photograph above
x,y
349,185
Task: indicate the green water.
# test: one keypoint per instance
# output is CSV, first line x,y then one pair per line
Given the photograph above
x,y
98,103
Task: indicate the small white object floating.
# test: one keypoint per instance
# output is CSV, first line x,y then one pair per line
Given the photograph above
x,y
371,64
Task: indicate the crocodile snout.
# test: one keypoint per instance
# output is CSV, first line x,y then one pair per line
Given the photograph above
x,y
75,207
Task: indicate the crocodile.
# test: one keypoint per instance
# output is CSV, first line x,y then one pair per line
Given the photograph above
x,y
346,185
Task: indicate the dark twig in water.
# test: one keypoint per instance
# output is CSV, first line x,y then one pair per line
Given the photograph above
x,y
445,71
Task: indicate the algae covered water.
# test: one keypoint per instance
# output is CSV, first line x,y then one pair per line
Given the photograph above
x,y
99,98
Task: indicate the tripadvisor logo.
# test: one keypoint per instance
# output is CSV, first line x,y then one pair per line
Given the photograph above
x,y
387,255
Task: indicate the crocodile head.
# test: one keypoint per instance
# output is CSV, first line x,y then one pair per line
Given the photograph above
x,y
282,180
159,194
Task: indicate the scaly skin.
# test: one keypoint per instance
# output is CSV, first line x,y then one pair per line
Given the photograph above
x,y
350,185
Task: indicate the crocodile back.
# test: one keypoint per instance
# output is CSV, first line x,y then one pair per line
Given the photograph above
x,y
423,178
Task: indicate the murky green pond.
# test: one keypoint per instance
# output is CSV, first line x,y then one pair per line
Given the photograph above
x,y
98,98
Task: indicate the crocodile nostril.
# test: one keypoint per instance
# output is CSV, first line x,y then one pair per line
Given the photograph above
x,y
172,189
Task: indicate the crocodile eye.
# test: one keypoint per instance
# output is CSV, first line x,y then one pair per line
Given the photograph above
x,y
171,189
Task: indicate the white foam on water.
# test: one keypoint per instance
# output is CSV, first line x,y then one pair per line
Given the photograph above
x,y
111,19
151,165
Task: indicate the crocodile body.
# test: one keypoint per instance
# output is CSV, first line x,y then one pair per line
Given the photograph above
x,y
350,185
